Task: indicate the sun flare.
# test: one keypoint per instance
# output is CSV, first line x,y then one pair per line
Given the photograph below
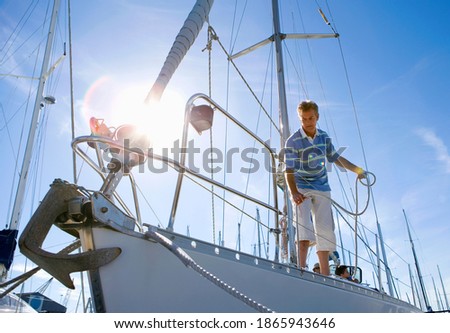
x,y
117,105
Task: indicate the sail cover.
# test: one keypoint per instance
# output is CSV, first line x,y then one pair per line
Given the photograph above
x,y
185,38
8,244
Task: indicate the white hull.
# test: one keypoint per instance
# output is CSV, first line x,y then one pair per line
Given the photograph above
x,y
11,303
147,277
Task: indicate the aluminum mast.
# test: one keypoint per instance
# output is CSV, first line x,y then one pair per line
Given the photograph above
x,y
21,187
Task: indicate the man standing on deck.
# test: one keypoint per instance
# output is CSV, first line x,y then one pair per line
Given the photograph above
x,y
307,152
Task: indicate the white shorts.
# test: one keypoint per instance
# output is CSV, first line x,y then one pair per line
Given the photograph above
x,y
315,220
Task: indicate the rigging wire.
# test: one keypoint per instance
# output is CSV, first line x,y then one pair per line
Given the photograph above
x,y
350,90
251,159
72,107
20,64
233,39
149,205
213,215
302,70
244,80
356,224
389,276
285,47
224,179
269,60
227,201
14,114
261,108
7,130
269,180
232,44
359,134
10,40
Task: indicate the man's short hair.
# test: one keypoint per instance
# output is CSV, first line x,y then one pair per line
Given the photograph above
x,y
307,105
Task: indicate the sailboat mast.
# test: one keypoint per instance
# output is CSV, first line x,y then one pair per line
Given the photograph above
x,y
283,115
443,289
258,225
383,252
380,283
437,294
21,187
282,101
412,285
422,285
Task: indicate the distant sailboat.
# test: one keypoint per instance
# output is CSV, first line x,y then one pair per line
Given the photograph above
x,y
447,306
419,273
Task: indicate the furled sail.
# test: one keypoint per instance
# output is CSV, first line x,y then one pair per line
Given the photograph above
x,y
185,38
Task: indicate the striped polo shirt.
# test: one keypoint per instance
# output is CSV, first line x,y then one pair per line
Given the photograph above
x,y
308,158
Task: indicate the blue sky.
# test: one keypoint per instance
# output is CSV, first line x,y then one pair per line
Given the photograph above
x,y
397,58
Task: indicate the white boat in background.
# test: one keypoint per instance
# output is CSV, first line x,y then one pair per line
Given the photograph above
x,y
139,265
11,303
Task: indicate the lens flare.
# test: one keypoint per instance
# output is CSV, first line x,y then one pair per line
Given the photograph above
x,y
119,103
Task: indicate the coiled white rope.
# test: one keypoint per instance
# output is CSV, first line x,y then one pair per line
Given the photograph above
x,y
356,213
